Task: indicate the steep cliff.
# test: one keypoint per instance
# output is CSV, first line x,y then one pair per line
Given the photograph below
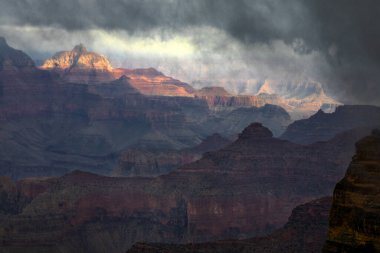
x,y
355,214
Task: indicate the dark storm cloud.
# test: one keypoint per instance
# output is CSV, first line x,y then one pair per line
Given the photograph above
x,y
345,31
353,27
252,20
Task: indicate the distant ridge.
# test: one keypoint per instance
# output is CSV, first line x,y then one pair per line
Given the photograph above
x,y
301,98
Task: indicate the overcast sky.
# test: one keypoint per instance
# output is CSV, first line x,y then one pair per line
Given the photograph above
x,y
335,42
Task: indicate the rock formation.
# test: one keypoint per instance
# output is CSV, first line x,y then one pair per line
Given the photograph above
x,y
355,214
305,232
78,58
80,66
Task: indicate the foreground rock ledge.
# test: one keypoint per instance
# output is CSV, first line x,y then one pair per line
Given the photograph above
x,y
355,214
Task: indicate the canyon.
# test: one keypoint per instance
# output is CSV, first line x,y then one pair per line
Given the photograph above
x,y
52,125
248,188
95,159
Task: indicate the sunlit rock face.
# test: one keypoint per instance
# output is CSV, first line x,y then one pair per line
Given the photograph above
x,y
80,66
355,214
151,82
79,58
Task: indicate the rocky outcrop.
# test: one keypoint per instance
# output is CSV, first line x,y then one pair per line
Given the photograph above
x,y
305,231
355,214
322,126
80,66
78,58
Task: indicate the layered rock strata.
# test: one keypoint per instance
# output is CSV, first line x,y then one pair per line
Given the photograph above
x,y
355,214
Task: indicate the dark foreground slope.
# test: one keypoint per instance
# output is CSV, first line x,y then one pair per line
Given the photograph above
x,y
305,232
249,188
355,214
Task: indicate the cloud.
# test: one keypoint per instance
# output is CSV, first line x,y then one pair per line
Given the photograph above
x,y
335,42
